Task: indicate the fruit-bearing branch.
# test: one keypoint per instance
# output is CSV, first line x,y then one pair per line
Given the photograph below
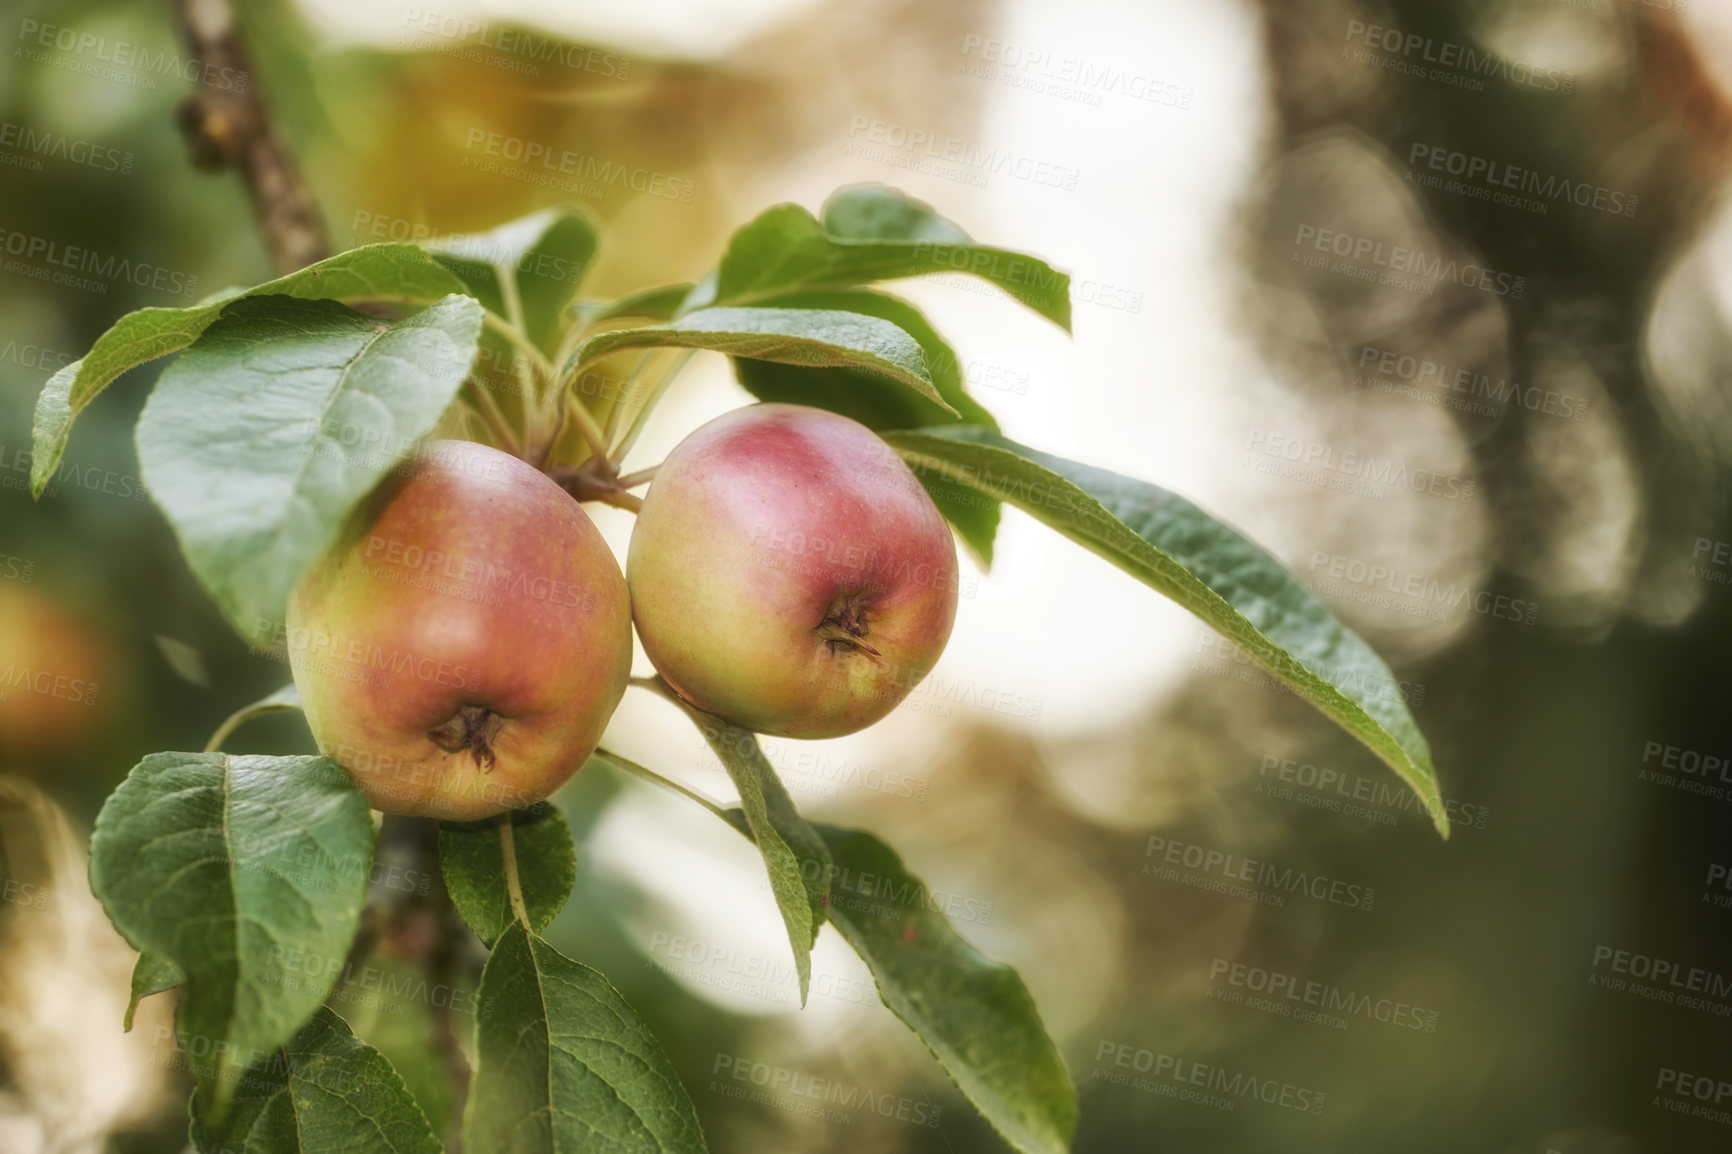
x,y
226,126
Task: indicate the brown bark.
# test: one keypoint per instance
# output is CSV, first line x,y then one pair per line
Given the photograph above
x,y
226,126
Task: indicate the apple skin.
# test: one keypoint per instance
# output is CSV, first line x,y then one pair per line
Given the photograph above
x,y
460,649
789,574
54,672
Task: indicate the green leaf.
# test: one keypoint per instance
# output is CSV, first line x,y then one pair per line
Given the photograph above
x,y
878,212
408,1009
976,1016
870,398
656,304
1180,551
794,853
471,859
379,272
885,236
813,337
262,438
880,404
248,873
564,1065
324,1092
285,700
150,975
543,256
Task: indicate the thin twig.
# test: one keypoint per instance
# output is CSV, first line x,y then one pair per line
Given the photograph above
x,y
641,477
489,411
226,126
519,340
627,501
591,431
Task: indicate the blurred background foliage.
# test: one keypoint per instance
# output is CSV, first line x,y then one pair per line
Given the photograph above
x,y
1201,340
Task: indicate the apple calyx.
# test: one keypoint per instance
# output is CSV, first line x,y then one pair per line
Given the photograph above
x,y
473,727
844,626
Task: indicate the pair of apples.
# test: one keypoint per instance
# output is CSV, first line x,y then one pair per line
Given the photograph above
x,y
461,648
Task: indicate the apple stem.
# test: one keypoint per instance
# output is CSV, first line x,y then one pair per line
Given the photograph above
x,y
655,778
641,477
594,480
513,886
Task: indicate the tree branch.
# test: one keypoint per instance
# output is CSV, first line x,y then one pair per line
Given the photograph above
x,y
226,126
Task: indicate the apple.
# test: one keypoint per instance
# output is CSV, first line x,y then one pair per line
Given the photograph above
x,y
54,673
461,648
789,573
